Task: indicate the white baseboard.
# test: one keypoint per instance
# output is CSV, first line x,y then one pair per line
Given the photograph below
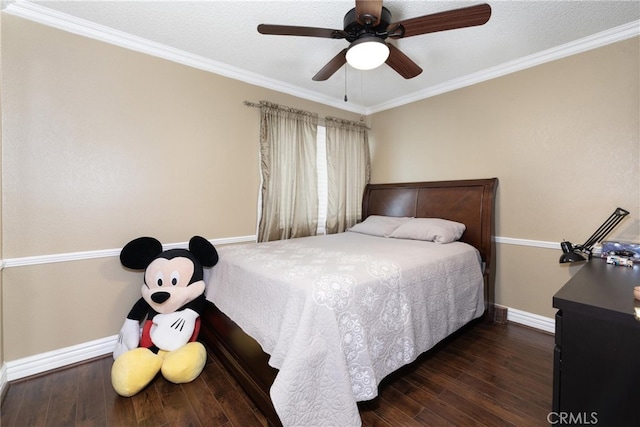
x,y
536,321
3,380
43,362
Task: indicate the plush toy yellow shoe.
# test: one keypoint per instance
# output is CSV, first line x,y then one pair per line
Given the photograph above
x,y
133,370
185,364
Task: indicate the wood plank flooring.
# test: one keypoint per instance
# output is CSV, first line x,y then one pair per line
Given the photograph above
x,y
486,375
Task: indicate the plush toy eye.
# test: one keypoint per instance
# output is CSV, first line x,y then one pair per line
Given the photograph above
x,y
159,278
175,278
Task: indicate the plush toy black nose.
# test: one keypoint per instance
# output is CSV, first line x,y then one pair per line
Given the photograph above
x,y
160,297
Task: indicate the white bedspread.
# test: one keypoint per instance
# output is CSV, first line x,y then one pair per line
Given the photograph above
x,y
338,313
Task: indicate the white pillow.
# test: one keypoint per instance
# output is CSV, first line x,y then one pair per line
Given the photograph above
x,y
378,225
430,229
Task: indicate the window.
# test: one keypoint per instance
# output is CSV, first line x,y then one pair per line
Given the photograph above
x,y
313,176
323,182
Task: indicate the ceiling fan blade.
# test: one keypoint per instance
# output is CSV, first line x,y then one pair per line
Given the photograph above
x,y
332,66
368,10
291,30
401,63
449,20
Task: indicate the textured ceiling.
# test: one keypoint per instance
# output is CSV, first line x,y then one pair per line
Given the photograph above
x,y
221,36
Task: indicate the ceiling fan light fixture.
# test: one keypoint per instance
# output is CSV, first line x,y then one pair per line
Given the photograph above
x,y
367,53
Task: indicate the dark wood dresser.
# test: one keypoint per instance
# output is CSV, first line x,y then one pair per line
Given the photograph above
x,y
596,371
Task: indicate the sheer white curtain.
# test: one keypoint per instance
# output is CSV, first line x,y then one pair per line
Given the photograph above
x,y
348,171
289,175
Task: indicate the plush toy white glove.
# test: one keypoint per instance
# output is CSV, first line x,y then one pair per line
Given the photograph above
x,y
173,330
128,339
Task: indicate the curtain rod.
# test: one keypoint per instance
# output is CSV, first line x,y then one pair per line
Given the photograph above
x,y
278,106
320,119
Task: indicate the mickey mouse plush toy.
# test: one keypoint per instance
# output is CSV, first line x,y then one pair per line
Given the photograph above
x,y
172,300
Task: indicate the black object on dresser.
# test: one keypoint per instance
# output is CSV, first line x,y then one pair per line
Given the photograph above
x,y
596,369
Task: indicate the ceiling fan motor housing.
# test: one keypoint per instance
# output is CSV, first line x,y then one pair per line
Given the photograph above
x,y
355,30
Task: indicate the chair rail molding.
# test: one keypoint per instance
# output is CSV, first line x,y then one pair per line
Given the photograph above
x,y
104,253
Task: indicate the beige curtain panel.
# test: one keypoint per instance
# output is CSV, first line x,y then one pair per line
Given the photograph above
x,y
348,172
289,173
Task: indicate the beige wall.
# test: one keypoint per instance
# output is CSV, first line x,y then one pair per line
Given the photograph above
x,y
562,137
1,228
102,145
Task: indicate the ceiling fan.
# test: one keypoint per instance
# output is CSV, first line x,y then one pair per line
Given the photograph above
x,y
368,25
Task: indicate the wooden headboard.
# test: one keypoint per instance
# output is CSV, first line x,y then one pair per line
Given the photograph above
x,y
470,202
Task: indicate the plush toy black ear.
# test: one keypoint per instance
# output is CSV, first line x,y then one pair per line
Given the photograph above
x,y
138,253
204,251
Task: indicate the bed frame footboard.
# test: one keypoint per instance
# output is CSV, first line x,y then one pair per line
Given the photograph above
x,y
242,356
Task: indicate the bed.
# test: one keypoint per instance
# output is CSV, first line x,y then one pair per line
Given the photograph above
x,y
309,302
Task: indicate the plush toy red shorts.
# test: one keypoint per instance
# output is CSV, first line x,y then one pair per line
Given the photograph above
x,y
145,339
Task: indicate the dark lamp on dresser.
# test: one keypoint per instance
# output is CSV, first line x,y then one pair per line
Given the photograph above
x,y
573,253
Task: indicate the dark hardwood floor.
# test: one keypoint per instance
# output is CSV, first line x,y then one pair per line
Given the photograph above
x,y
486,375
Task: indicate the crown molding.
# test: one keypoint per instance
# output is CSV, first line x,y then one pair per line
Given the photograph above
x,y
71,24
604,38
65,22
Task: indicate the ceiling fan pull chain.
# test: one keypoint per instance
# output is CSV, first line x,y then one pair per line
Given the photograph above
x,y
345,83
